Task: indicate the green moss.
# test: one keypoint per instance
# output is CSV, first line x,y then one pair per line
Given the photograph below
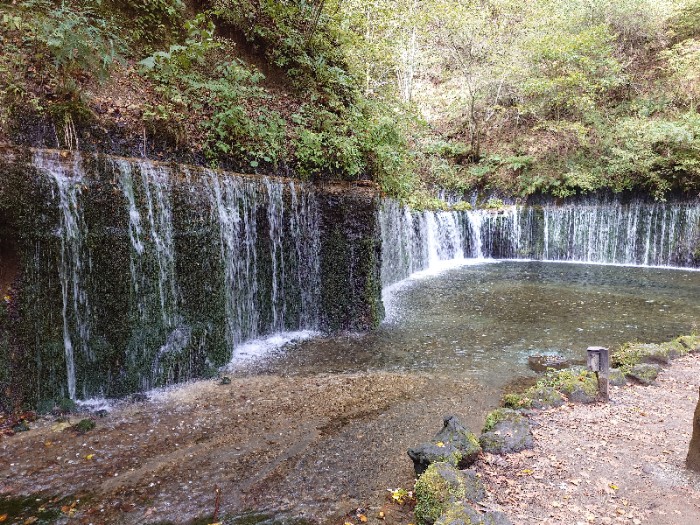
x,y
690,342
458,513
84,425
516,401
496,416
644,373
630,354
441,485
461,206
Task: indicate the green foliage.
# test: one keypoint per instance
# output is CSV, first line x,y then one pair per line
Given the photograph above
x,y
151,21
686,23
657,154
76,38
683,61
298,38
574,73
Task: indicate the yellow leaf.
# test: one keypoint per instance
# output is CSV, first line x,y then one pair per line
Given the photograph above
x,y
440,444
526,472
89,456
363,518
3,517
613,486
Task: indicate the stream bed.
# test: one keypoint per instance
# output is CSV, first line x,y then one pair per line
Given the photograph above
x,y
320,428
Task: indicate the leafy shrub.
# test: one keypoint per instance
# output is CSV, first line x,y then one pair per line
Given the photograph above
x,y
151,21
659,155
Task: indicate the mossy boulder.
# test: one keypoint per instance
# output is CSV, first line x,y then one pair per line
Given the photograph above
x,y
617,377
644,373
506,431
692,461
83,426
538,396
631,354
577,384
454,444
544,397
441,486
690,342
462,514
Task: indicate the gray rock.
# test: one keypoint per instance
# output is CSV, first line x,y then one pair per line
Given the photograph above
x,y
617,377
454,444
506,431
644,373
460,513
441,486
545,397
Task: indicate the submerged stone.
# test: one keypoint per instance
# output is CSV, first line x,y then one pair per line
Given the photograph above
x,y
644,373
506,431
544,362
441,486
454,444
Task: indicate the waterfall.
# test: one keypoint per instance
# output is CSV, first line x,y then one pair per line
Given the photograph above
x,y
604,232
266,298
200,263
640,233
74,261
415,241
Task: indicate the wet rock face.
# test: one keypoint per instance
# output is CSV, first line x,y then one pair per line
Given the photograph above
x,y
693,459
154,272
454,444
506,431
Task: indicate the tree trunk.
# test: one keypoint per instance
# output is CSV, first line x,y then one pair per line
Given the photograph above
x,y
693,459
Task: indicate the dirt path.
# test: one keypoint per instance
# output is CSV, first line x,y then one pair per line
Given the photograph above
x,y
621,462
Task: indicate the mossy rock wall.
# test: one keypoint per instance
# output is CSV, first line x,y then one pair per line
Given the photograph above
x,y
138,320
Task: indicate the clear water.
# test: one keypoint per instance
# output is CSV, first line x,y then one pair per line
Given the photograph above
x,y
482,321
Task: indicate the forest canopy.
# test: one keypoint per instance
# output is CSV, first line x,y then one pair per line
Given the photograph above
x,y
505,97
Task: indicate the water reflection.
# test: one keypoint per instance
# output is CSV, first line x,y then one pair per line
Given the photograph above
x,y
481,321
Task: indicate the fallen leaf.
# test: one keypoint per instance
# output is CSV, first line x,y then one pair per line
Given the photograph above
x,y
3,517
363,518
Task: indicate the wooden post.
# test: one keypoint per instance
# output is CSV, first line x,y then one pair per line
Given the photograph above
x,y
693,459
598,360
